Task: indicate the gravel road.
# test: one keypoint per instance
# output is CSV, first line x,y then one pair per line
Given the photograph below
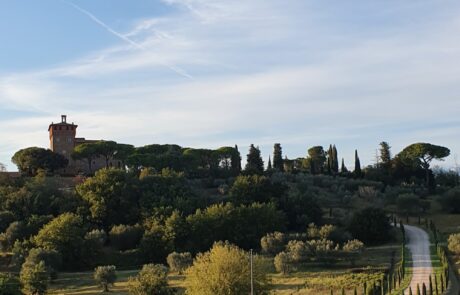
x,y
419,245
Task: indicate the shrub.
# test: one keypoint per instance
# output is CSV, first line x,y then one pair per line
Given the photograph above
x,y
273,243
151,280
179,262
454,243
34,278
105,276
282,263
224,269
125,237
20,252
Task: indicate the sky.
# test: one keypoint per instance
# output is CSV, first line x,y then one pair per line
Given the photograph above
x,y
211,73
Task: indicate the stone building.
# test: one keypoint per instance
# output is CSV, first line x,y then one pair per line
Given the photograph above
x,y
63,140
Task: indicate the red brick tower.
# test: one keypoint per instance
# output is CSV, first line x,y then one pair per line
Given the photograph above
x,y
62,140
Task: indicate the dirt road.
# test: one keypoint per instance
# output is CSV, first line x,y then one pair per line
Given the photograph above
x,y
419,245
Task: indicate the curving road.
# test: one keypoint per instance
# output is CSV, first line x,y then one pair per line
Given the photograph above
x,y
419,245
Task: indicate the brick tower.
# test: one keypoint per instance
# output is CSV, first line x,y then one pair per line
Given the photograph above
x,y
62,140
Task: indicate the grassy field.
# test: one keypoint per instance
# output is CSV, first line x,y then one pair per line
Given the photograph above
x,y
309,279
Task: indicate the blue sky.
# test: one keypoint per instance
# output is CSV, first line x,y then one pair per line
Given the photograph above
x,y
209,73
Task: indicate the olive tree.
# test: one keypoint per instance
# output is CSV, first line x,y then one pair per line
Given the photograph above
x,y
105,276
151,280
225,269
454,243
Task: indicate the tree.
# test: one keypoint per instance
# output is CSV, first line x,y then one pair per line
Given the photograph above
x,y
316,158
450,200
9,284
370,225
282,263
65,234
335,160
51,258
106,149
273,243
421,155
343,169
409,204
105,276
357,171
236,161
151,280
269,165
254,164
278,157
33,159
2,167
112,197
86,151
225,269
124,237
385,154
454,243
34,278
353,249
179,262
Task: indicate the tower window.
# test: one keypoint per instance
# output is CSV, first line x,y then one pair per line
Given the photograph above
x,y
69,139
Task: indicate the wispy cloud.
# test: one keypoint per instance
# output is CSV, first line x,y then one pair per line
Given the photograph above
x,y
264,72
126,39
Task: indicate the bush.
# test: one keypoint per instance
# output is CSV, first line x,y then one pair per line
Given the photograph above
x,y
125,237
224,269
20,252
179,262
9,285
454,244
34,278
15,231
273,243
105,276
282,263
151,280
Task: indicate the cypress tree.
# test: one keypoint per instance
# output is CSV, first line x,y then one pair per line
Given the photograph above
x,y
357,171
436,284
343,169
269,166
329,159
418,290
431,287
423,289
332,292
410,290
254,164
343,291
365,288
355,291
278,157
236,161
335,162
442,284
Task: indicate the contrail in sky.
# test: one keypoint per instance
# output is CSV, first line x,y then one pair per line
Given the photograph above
x,y
124,38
